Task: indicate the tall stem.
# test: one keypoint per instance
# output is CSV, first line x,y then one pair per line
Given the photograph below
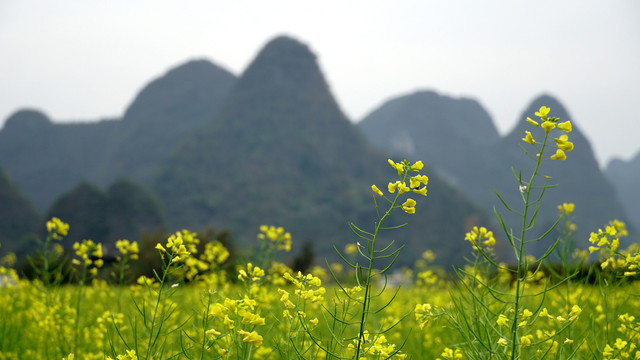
x,y
372,251
522,268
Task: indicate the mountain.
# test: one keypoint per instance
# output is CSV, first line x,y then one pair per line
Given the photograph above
x,y
19,220
162,112
123,211
449,134
624,176
458,138
280,151
48,159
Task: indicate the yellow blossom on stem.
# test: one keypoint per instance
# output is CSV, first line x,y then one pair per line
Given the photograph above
x,y
418,165
543,112
251,337
502,320
532,122
526,340
376,190
398,166
529,138
565,126
409,206
559,155
566,208
548,126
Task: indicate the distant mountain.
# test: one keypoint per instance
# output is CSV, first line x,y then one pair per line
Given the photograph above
x,y
458,138
161,113
625,175
19,220
449,134
123,211
47,158
280,151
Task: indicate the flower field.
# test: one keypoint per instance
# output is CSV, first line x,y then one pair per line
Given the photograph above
x,y
579,300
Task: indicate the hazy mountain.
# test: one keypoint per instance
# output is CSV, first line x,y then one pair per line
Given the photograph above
x,y
47,158
161,113
457,137
280,151
123,211
624,175
19,220
449,134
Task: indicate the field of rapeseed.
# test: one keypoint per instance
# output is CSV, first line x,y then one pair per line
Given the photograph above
x,y
571,303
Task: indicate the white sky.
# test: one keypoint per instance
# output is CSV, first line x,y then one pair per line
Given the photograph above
x,y
86,59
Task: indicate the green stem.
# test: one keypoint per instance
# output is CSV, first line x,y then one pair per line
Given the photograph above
x,y
522,268
366,300
155,311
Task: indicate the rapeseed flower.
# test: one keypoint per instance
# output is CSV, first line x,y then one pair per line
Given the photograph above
x,y
409,206
559,155
57,228
529,138
566,208
376,190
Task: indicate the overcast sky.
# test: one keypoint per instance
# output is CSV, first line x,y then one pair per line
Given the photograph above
x,y
86,60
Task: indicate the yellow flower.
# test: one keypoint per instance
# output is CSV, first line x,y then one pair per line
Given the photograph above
x,y
376,190
422,191
502,320
393,186
418,165
559,155
503,342
526,340
529,138
564,143
565,126
543,112
398,166
566,208
409,206
548,126
251,337
532,122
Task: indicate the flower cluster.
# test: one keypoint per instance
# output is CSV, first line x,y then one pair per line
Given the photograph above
x,y
609,240
179,245
57,228
417,183
89,253
232,315
305,288
562,142
423,313
481,234
376,346
277,236
451,354
128,249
